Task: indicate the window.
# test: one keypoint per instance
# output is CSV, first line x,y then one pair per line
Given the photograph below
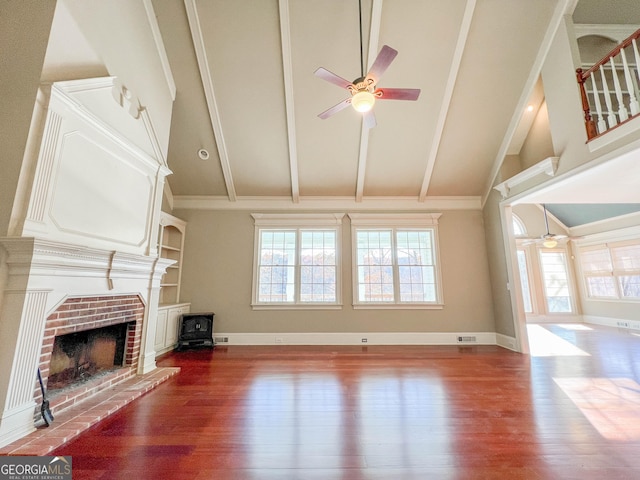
x,y
395,260
612,271
518,226
555,279
297,260
523,268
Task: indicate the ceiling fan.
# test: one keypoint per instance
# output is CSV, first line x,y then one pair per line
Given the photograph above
x,y
363,89
548,240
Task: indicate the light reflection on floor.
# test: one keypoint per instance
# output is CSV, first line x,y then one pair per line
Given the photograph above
x,y
543,343
611,405
573,326
390,405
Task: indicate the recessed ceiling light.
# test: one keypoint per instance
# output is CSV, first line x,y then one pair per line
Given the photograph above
x,y
530,108
203,154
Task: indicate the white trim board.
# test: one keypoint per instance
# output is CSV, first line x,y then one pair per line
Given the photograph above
x,y
506,341
307,203
355,338
612,322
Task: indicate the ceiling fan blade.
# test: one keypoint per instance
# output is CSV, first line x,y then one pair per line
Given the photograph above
x,y
336,108
370,119
382,62
398,93
331,77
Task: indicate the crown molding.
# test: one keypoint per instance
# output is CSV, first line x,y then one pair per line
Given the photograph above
x,y
392,204
548,166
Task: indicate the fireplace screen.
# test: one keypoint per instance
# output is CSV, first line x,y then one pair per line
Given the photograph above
x,y
77,357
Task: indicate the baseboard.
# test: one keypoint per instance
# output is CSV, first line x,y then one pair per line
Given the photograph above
x,y
355,338
16,423
612,322
506,341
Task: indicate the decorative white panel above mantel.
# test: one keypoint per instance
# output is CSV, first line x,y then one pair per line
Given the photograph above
x,y
95,185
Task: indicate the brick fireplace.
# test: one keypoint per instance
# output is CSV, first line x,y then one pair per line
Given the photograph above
x,y
88,314
81,250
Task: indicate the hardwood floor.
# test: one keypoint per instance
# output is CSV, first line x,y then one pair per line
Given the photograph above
x,y
383,412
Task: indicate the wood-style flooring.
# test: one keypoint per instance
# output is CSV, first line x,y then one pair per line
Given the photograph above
x,y
571,410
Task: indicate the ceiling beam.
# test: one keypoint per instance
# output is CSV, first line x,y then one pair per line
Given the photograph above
x,y
374,40
287,69
463,34
207,84
162,53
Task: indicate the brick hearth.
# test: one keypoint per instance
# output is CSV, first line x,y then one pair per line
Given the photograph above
x,y
73,421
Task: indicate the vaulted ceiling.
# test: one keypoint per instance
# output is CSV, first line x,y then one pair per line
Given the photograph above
x,y
247,94
245,91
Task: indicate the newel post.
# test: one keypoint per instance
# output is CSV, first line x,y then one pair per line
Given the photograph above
x,y
588,121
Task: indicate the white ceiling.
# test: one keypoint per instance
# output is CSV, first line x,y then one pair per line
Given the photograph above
x,y
245,90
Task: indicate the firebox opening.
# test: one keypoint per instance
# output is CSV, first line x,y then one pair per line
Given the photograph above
x,y
80,356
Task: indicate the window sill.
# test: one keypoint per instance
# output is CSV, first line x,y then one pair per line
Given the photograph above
x,y
613,299
398,306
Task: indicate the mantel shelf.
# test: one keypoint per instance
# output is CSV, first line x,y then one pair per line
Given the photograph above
x,y
548,166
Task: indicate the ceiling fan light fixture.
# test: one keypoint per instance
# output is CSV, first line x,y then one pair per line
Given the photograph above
x,y
550,243
363,101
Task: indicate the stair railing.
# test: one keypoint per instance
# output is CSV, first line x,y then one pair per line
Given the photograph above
x,y
610,89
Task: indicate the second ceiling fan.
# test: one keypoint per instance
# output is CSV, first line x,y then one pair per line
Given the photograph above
x,y
363,89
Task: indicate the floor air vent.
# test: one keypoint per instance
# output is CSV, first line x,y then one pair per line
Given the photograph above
x,y
221,339
467,339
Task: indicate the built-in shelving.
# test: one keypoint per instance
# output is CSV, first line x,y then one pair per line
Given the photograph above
x,y
170,246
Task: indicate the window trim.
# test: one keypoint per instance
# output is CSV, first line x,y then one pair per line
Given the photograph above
x,y
530,279
395,221
297,222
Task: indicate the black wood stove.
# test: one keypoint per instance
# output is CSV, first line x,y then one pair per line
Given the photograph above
x,y
196,329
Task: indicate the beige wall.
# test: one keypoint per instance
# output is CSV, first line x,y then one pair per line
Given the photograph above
x,y
218,268
498,266
24,32
537,145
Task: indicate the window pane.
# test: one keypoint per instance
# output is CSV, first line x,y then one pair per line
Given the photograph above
x,y
416,274
601,287
626,258
318,266
556,281
597,260
518,226
524,281
375,272
630,286
277,266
